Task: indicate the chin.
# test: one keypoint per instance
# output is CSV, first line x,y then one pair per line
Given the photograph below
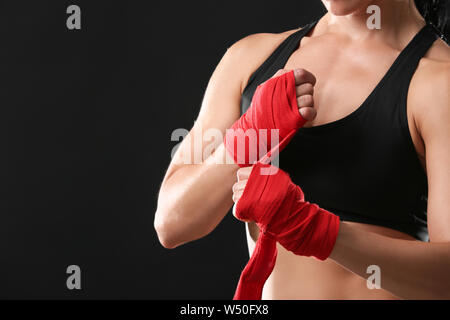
x,y
346,7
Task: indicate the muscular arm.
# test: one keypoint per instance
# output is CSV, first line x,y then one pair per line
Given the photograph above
x,y
194,198
413,269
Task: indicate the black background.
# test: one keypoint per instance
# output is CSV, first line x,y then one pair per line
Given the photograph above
x,y
86,118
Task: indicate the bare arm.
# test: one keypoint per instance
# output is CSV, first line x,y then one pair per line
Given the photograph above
x,y
194,198
413,269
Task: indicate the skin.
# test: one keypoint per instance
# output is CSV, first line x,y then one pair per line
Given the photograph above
x,y
340,56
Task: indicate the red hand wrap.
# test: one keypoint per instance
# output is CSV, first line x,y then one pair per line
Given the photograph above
x,y
278,207
274,107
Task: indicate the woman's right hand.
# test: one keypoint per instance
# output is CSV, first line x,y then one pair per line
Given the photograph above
x,y
280,106
304,82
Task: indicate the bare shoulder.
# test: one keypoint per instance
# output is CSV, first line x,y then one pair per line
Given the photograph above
x,y
250,52
434,64
440,50
231,76
429,91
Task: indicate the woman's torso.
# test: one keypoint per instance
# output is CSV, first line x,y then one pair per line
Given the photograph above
x,y
346,75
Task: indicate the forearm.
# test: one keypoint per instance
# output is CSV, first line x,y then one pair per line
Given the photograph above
x,y
194,199
409,269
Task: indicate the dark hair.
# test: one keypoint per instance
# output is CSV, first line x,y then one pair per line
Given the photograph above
x,y
436,13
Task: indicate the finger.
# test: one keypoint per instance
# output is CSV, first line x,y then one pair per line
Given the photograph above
x,y
304,89
305,101
303,76
239,186
236,196
244,173
308,113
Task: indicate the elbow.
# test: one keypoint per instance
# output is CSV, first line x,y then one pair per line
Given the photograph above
x,y
173,233
166,235
176,226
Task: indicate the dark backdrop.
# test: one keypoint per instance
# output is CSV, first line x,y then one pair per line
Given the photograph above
x,y
86,118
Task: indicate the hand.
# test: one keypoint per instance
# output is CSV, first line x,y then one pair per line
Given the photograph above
x,y
238,188
280,211
304,82
279,208
284,103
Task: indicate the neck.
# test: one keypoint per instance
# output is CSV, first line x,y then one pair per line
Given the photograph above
x,y
399,19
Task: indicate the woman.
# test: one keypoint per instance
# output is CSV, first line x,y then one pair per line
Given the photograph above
x,y
374,151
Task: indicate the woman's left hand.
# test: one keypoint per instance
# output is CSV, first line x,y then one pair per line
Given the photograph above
x,y
238,188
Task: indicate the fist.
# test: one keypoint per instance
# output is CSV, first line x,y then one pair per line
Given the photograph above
x,y
304,82
238,188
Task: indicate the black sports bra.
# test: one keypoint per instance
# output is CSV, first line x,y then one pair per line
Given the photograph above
x,y
362,167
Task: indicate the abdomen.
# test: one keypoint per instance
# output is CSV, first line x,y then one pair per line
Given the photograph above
x,y
303,278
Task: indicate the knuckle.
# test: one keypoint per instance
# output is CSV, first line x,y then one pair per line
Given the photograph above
x,y
304,100
307,99
309,87
305,88
301,73
241,173
240,187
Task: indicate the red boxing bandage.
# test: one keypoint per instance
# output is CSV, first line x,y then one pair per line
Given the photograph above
x,y
279,209
268,125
